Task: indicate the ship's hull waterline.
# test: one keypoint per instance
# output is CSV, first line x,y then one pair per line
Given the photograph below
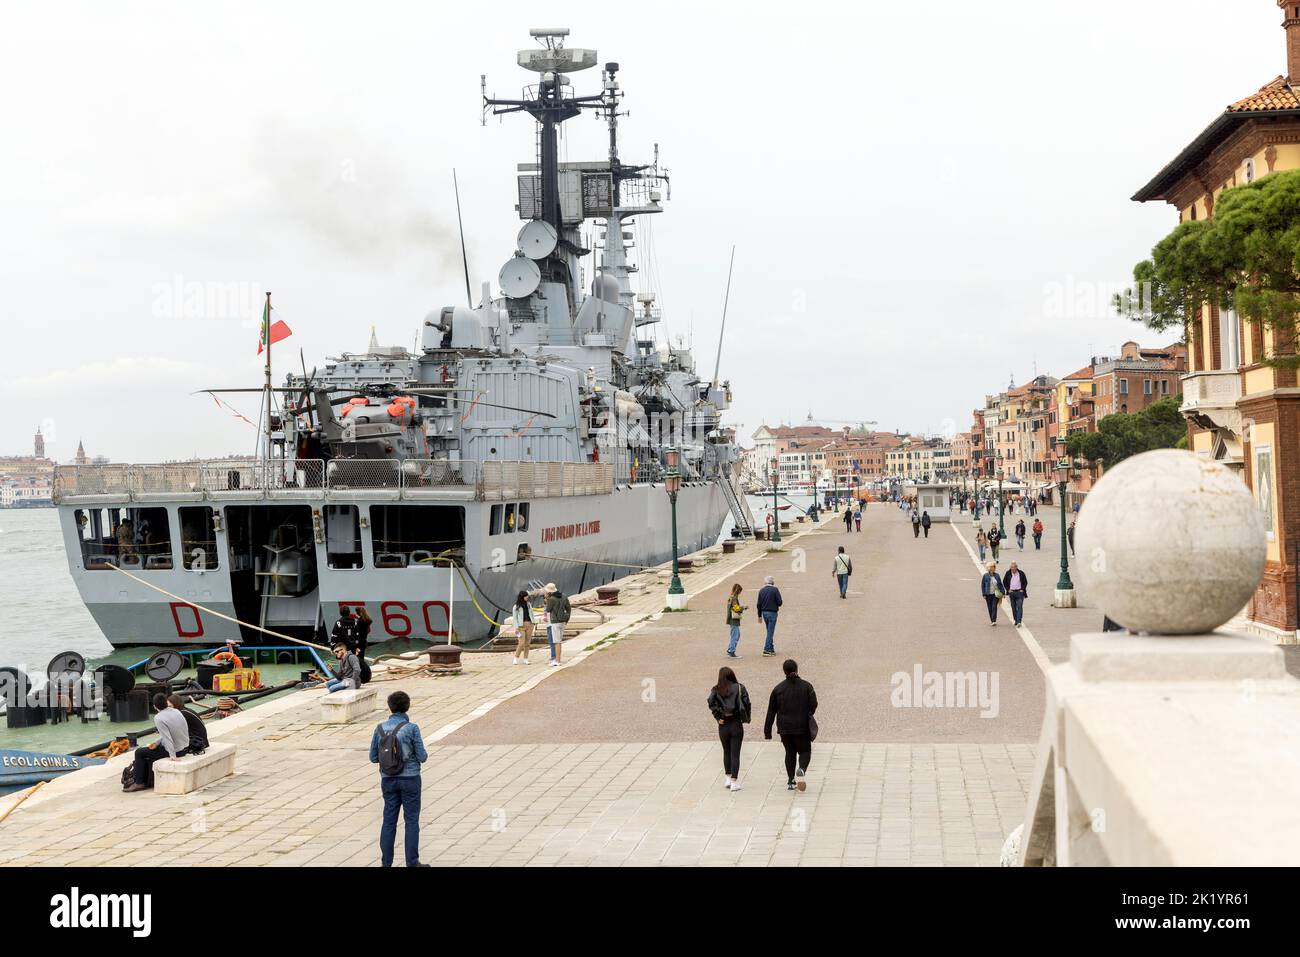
x,y
575,542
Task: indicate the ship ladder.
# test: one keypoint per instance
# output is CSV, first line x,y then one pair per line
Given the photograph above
x,y
739,510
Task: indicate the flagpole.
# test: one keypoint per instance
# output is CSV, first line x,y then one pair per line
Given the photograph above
x,y
266,338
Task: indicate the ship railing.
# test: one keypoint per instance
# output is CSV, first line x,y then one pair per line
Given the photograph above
x,y
91,480
235,476
166,477
485,481
429,474
508,480
366,474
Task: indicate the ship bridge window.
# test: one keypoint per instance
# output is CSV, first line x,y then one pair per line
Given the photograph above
x,y
508,518
343,536
124,537
423,536
198,538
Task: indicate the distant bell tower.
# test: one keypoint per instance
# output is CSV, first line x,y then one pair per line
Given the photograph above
x,y
1291,23
40,444
81,454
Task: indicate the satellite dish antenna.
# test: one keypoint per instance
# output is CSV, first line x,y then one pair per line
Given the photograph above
x,y
537,239
67,664
519,278
164,666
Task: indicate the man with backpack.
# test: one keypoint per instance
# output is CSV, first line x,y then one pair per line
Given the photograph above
x,y
398,749
557,613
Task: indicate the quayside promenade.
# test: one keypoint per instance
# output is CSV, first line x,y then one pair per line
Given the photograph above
x,y
613,759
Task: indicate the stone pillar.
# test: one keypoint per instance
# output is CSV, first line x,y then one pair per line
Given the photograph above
x,y
1171,743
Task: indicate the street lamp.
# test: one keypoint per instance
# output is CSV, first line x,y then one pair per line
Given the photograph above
x,y
673,485
776,517
835,490
1064,597
1002,506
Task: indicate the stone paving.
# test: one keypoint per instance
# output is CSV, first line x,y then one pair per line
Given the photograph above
x,y
305,794
912,603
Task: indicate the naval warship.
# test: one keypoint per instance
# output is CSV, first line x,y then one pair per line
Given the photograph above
x,y
526,440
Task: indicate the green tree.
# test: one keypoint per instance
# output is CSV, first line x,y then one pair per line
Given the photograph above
x,y
1246,257
1119,436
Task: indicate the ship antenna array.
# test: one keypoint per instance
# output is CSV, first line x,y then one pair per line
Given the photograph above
x,y
464,256
717,365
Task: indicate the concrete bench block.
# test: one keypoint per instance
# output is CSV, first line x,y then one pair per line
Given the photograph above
x,y
344,707
194,771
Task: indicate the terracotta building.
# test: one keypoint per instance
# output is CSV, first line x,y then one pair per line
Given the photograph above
x,y
1241,409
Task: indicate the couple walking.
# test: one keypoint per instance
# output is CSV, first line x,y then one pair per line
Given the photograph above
x,y
791,706
990,541
1014,585
853,516
769,605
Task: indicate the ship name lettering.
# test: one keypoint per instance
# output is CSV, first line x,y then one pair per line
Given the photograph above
x,y
572,530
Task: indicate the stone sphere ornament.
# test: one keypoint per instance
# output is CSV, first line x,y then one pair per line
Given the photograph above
x,y
1170,544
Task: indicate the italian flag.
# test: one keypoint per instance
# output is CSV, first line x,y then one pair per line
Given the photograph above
x,y
272,332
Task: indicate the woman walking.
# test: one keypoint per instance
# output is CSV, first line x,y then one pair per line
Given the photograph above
x,y
857,516
1020,534
992,591
524,626
1037,529
995,541
734,610
982,540
729,705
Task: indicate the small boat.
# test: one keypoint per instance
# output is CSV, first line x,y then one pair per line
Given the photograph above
x,y
21,768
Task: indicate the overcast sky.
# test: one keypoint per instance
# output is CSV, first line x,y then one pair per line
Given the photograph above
x,y
926,198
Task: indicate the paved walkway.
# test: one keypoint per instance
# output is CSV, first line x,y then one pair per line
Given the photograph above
x,y
598,786
912,604
1050,627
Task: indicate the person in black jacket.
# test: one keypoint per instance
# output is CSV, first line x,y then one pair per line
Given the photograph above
x,y
1016,584
198,731
792,705
730,707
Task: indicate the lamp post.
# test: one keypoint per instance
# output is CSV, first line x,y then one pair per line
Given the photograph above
x,y
1064,597
776,516
835,490
673,485
1002,508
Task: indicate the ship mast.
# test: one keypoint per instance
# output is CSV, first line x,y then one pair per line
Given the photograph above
x,y
550,104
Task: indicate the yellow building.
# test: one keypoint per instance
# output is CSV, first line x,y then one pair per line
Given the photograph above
x,y
1240,409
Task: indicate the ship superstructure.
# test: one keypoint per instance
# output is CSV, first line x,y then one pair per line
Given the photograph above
x,y
522,442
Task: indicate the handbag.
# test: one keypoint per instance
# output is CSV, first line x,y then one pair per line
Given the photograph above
x,y
812,728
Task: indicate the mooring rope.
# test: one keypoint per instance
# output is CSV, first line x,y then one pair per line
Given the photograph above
x,y
212,611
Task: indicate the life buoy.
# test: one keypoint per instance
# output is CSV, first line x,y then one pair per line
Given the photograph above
x,y
228,656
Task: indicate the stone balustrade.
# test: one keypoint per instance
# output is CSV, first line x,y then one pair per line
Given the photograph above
x,y
1171,743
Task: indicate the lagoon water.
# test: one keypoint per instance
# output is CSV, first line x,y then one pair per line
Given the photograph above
x,y
42,613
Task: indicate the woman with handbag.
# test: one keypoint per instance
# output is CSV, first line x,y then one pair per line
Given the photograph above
x,y
734,610
992,590
730,707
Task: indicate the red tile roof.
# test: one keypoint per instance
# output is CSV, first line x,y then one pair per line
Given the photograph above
x,y
1274,95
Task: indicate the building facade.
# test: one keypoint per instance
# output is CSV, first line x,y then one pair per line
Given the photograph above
x,y
1242,409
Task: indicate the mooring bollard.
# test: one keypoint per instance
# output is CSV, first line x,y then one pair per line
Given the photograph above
x,y
445,659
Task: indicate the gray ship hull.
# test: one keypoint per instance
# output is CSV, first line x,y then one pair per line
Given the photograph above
x,y
576,542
